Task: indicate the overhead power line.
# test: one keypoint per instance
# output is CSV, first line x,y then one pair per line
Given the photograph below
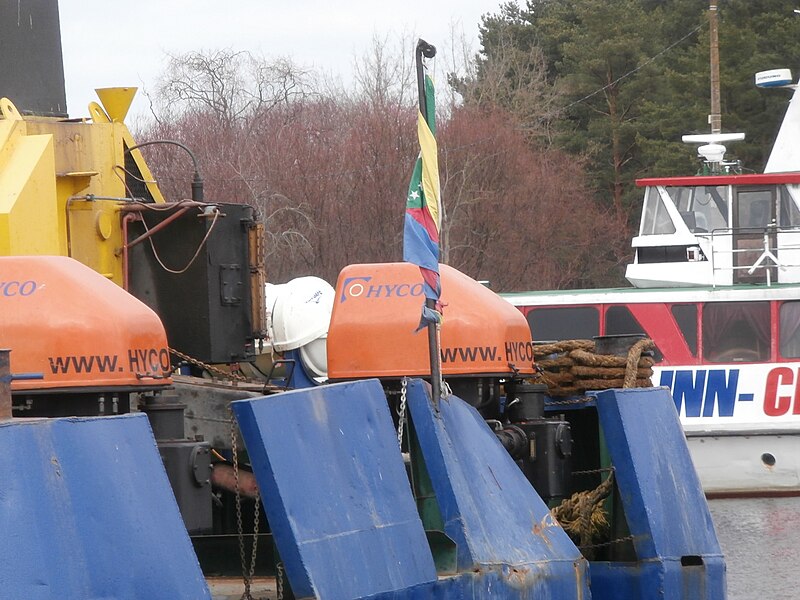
x,y
632,71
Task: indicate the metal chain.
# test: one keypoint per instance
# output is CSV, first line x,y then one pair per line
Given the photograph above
x,y
254,549
593,471
402,412
584,400
279,579
208,367
247,575
627,538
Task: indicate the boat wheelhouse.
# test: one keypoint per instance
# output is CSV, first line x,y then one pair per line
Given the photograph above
x,y
718,230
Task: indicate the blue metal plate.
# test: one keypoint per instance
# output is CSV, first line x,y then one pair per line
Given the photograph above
x,y
663,499
488,506
86,511
336,491
665,509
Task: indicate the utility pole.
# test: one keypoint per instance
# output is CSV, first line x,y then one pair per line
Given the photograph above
x,y
715,118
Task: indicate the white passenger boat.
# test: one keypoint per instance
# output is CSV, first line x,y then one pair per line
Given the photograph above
x,y
716,276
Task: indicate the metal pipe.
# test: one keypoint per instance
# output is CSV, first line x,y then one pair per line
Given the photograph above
x,y
222,476
132,211
5,384
140,207
156,228
125,220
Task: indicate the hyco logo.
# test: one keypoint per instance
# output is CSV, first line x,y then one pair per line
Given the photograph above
x,y
360,287
17,288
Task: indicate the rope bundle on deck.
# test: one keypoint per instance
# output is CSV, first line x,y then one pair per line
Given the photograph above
x,y
571,367
582,515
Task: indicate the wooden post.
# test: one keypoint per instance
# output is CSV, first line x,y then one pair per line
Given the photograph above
x,y
715,118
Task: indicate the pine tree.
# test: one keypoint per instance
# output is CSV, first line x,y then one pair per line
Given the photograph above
x,y
633,76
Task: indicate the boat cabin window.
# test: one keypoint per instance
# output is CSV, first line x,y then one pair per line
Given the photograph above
x,y
753,211
655,218
620,321
790,329
702,207
789,211
569,323
736,332
686,317
754,207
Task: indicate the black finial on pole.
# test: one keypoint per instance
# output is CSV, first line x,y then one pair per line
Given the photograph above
x,y
424,50
427,50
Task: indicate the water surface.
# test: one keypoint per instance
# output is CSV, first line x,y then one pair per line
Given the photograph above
x,y
760,538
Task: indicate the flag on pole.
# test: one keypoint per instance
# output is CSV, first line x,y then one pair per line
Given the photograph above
x,y
423,215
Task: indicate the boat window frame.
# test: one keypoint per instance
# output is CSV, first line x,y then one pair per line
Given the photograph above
x,y
529,316
740,313
789,205
774,212
637,329
782,342
723,206
687,324
650,220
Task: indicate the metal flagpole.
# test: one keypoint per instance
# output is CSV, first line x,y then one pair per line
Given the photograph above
x,y
426,50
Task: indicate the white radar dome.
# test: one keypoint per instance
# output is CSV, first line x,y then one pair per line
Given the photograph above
x,y
774,78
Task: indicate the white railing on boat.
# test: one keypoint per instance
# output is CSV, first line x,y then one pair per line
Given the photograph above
x,y
766,260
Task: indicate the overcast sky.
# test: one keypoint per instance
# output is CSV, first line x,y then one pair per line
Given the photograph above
x,y
110,43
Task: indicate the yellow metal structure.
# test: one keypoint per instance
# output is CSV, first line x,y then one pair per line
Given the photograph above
x,y
63,183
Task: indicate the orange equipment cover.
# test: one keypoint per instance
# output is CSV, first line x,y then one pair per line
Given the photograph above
x,y
378,307
77,328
